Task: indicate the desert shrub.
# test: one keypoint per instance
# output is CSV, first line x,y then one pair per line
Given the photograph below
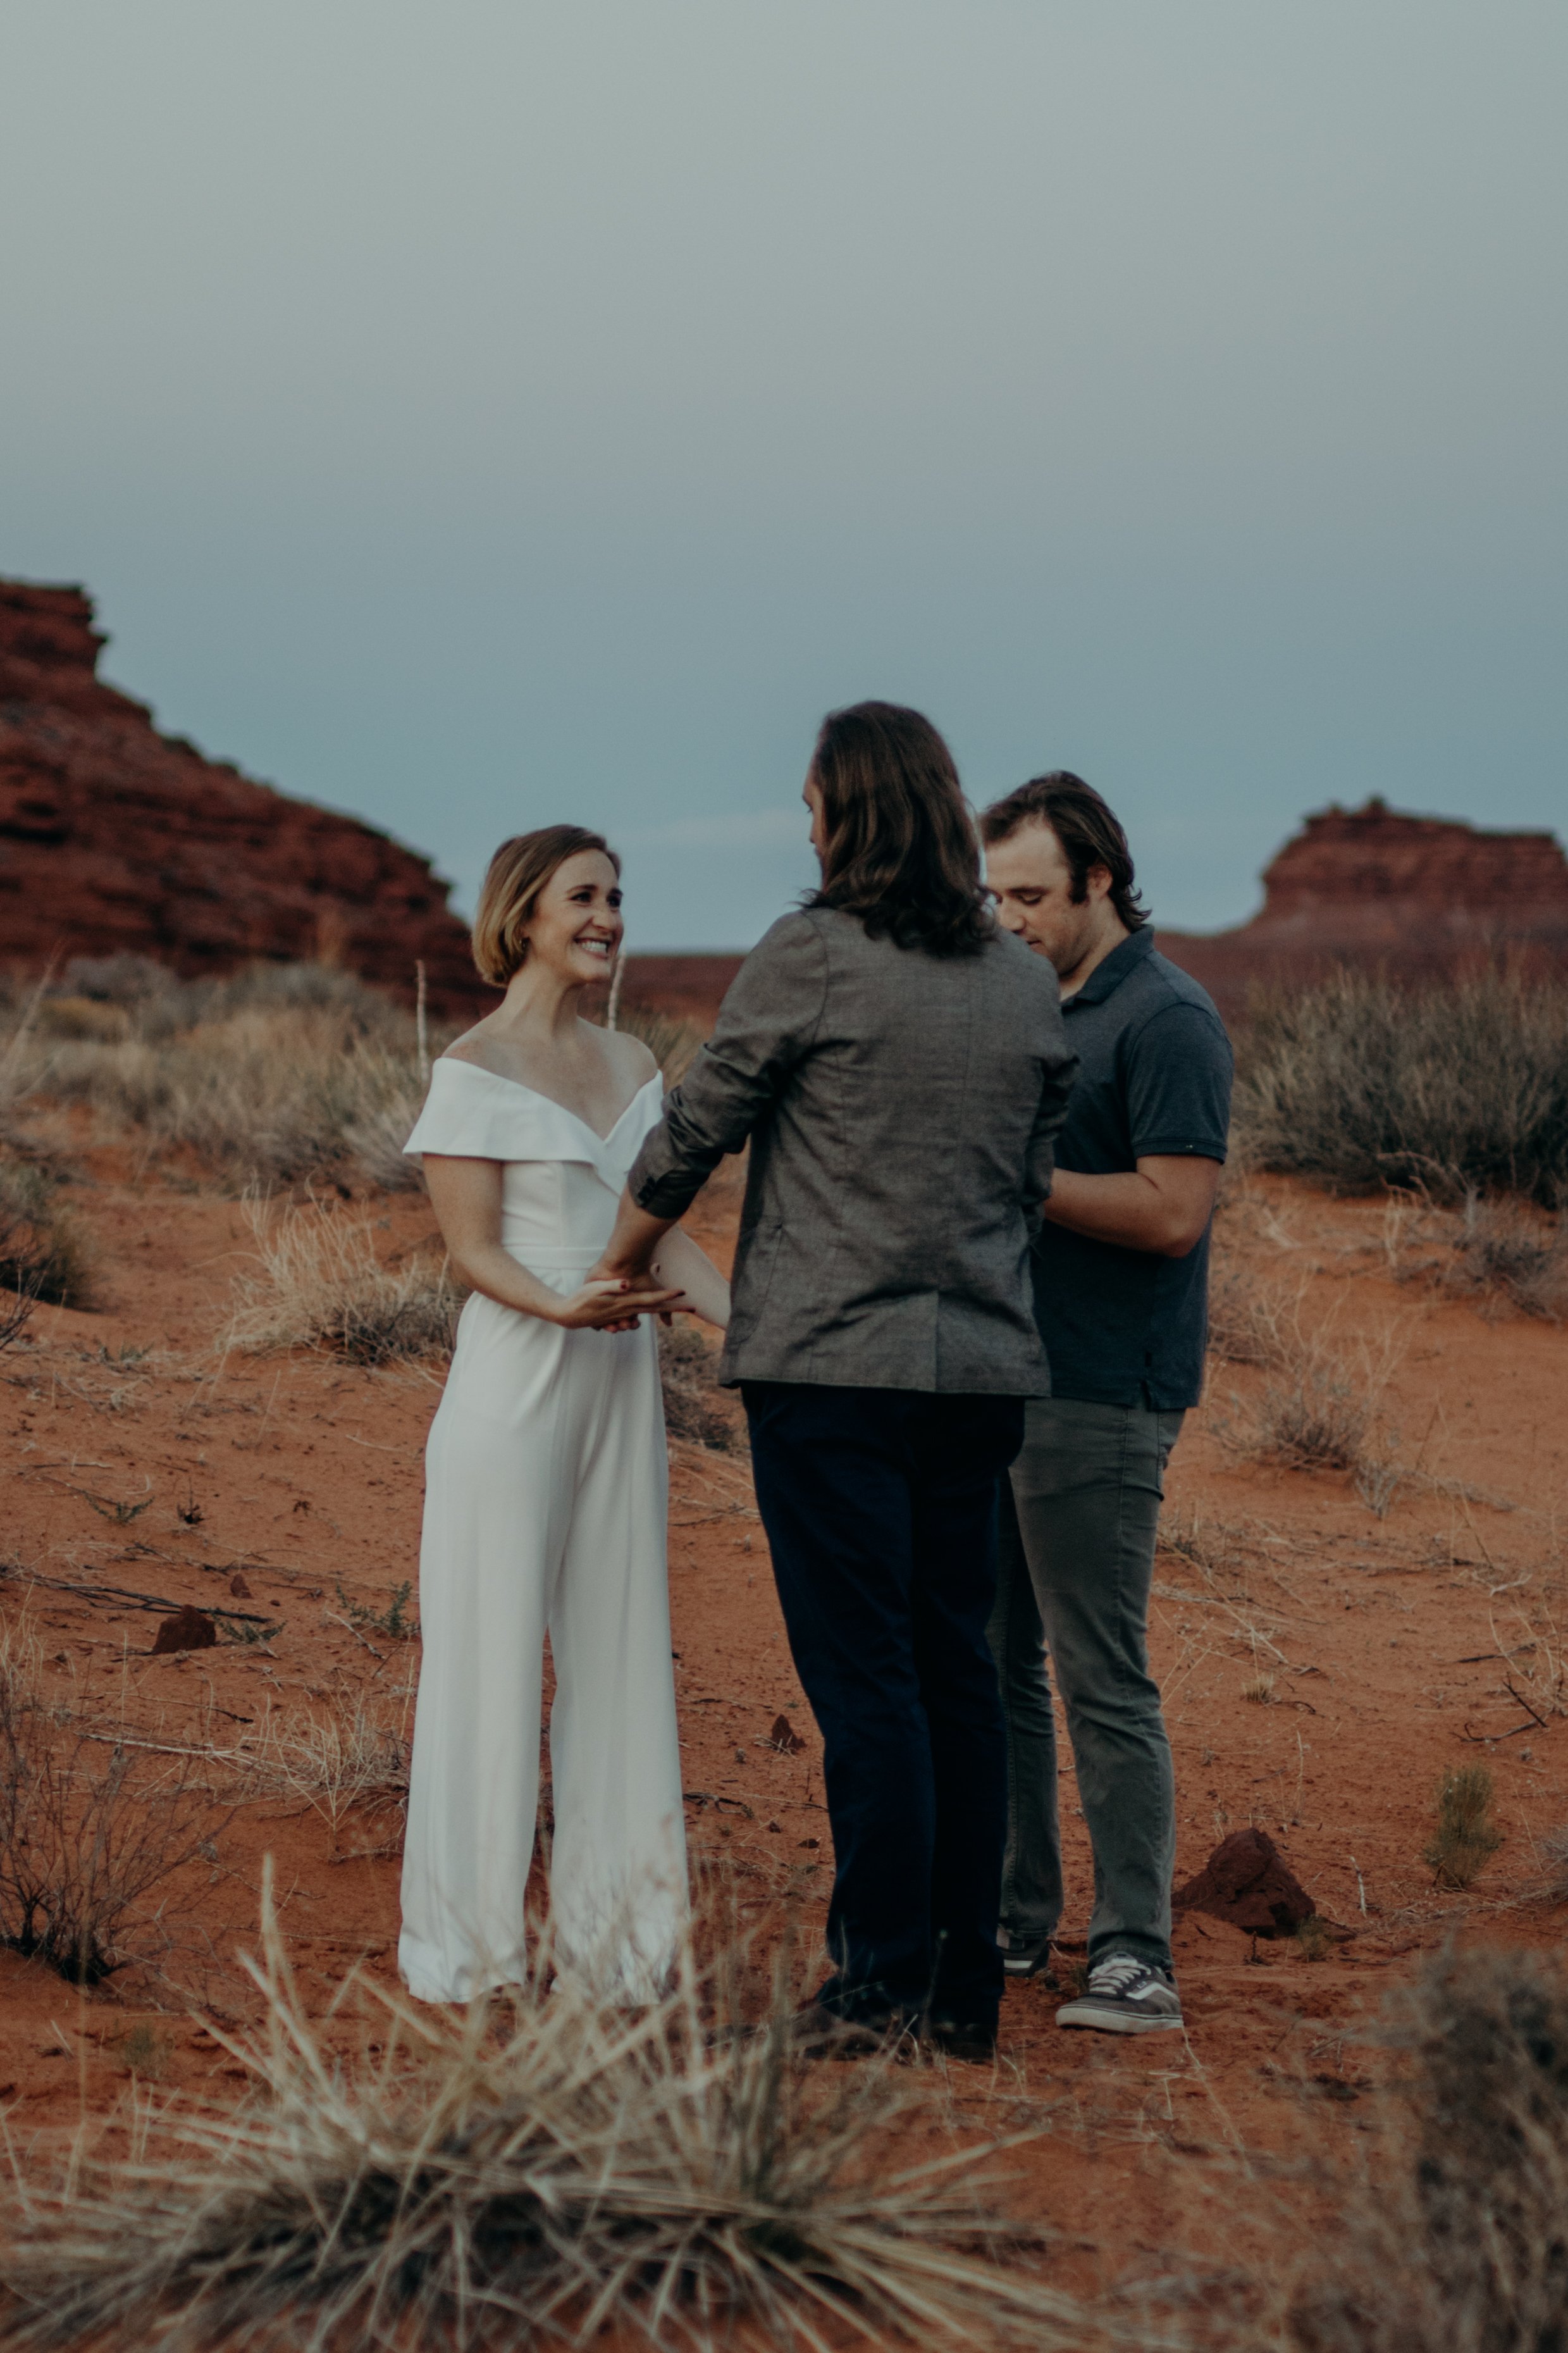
x,y
1501,1251
283,1071
1554,1850
319,1285
1360,1082
693,1408
43,1254
1316,1420
1319,1408
1465,1837
1464,2246
16,1314
539,2166
88,1829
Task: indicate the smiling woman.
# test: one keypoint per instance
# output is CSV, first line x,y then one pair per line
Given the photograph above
x,y
516,880
545,1492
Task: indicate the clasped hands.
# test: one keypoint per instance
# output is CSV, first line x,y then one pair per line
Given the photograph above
x,y
615,1296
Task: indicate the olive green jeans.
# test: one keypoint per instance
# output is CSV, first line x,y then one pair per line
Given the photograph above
x,y
1079,1515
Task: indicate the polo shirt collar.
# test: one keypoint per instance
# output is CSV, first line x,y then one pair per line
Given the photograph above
x,y
1107,977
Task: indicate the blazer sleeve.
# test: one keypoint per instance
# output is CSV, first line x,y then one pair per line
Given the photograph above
x,y
767,1022
1059,1068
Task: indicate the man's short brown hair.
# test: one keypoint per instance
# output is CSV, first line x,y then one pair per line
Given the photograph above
x,y
1089,830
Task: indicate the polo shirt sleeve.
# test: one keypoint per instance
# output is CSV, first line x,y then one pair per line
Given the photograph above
x,y
1177,1074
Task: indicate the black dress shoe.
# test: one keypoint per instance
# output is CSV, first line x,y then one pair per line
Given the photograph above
x,y
822,2033
973,2038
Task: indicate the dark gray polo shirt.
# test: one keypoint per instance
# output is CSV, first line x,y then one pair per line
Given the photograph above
x,y
1127,1326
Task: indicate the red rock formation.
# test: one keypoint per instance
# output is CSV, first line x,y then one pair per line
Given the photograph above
x,y
1372,887
115,838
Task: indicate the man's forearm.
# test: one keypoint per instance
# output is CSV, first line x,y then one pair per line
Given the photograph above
x,y
1162,1207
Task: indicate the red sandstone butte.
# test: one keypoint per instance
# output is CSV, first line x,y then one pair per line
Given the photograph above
x,y
1378,890
114,838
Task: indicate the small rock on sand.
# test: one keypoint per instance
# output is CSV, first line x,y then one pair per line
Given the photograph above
x,y
188,1629
1248,1881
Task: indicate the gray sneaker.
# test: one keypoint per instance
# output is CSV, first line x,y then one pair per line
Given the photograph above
x,y
1124,1996
1031,1959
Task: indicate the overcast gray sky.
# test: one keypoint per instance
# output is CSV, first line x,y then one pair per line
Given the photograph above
x,y
474,413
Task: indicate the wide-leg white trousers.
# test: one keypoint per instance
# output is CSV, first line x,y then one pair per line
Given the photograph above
x,y
545,1505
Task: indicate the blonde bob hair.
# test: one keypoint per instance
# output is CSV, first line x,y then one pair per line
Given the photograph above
x,y
513,881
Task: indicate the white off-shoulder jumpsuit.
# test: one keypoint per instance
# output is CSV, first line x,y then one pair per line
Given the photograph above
x,y
545,1503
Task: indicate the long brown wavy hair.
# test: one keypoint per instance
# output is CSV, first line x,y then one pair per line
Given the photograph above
x,y
901,849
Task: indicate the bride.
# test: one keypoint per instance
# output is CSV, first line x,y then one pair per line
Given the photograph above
x,y
546,1471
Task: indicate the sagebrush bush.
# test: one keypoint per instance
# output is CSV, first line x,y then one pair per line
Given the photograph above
x,y
1464,2246
687,1362
283,1071
539,2169
43,1253
1502,1250
1318,1406
1360,1082
88,1829
1465,1836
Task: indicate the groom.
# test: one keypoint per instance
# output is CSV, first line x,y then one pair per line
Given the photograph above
x,y
900,1068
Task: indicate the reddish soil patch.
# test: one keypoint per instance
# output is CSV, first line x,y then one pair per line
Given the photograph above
x,y
1322,1664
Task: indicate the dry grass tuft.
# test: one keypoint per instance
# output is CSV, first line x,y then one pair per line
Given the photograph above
x,y
1361,1082
1466,1836
1459,2245
320,1284
687,1363
351,1759
539,2167
88,1829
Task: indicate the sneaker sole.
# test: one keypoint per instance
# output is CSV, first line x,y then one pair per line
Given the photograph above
x,y
1116,2022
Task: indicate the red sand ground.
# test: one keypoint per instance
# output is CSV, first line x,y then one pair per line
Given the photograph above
x,y
1386,1645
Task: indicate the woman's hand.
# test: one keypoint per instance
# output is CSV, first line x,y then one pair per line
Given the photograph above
x,y
614,1305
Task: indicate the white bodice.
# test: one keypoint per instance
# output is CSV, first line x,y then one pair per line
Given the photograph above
x,y
560,1181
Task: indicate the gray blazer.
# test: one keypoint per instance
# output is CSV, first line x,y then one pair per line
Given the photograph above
x,y
901,1108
